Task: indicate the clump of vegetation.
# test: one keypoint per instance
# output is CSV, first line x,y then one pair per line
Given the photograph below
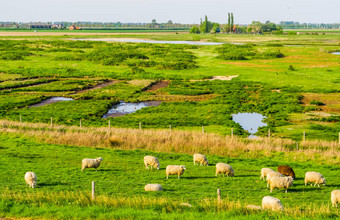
x,y
291,68
317,103
245,52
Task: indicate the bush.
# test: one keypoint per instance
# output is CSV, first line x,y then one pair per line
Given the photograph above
x,y
318,103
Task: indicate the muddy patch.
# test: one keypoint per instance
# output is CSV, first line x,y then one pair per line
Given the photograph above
x,y
123,108
99,86
228,78
158,85
51,100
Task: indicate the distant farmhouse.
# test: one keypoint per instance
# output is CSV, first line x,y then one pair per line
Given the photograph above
x,y
73,27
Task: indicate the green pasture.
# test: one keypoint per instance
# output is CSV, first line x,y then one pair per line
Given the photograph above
x,y
122,174
272,72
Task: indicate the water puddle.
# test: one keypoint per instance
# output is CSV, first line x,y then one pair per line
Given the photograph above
x,y
51,100
336,53
249,122
153,41
124,108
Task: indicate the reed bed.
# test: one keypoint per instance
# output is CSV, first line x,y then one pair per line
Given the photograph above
x,y
175,141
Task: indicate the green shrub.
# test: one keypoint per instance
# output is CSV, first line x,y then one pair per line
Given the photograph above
x,y
317,103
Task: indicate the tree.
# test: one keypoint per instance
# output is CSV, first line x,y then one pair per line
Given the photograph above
x,y
228,27
232,22
195,30
206,26
216,28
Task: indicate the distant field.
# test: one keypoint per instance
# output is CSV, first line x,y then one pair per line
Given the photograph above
x,y
273,74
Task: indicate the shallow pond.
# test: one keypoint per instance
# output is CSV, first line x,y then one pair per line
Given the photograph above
x,y
153,41
249,122
51,100
124,108
336,53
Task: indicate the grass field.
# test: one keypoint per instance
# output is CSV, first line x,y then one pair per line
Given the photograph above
x,y
62,187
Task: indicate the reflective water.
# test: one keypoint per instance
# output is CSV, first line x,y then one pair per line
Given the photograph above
x,y
51,100
155,41
336,53
124,108
249,122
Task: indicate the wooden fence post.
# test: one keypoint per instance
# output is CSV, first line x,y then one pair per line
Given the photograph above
x,y
80,123
219,195
232,133
269,133
20,118
170,128
140,125
51,121
297,146
109,124
93,190
304,135
202,129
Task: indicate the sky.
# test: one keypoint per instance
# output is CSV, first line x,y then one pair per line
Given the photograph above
x,y
178,11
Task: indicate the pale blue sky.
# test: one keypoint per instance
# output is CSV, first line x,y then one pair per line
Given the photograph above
x,y
180,11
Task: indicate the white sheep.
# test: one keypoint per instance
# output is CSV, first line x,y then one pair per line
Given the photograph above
x,y
201,159
31,179
335,197
152,161
224,168
272,203
264,172
272,174
153,187
314,177
175,169
280,182
90,163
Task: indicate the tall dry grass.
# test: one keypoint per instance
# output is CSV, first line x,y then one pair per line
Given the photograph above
x,y
175,141
171,205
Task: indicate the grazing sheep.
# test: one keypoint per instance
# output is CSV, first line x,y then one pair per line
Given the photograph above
x,y
253,207
186,204
286,170
272,174
224,168
152,161
153,187
175,169
335,197
201,159
264,172
31,179
272,203
314,177
280,182
90,163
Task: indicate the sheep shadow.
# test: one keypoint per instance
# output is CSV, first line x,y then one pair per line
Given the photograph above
x,y
104,170
301,190
197,177
248,175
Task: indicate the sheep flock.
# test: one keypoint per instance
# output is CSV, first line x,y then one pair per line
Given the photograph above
x,y
283,179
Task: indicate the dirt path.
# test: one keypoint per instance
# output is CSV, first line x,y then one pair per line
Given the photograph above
x,y
158,85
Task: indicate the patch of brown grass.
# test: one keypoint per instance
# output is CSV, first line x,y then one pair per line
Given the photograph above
x,y
332,101
174,141
246,64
